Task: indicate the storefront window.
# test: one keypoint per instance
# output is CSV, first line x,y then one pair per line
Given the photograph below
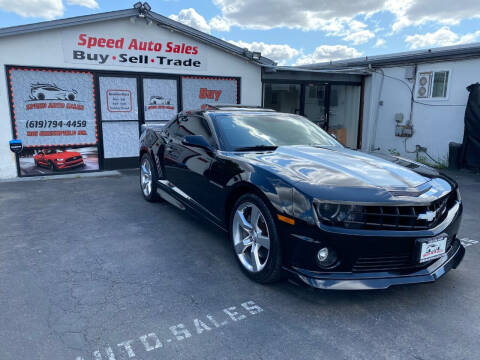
x,y
282,97
198,91
55,118
159,99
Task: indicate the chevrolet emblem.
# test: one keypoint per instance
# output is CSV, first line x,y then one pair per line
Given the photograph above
x,y
428,216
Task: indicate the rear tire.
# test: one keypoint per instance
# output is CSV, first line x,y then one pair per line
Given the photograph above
x,y
256,244
148,179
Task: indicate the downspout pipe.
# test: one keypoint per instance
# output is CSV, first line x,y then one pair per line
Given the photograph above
x,y
377,112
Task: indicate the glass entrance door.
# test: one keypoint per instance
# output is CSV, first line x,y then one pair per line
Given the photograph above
x,y
316,105
120,118
336,109
344,113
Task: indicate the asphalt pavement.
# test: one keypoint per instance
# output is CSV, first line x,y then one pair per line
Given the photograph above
x,y
91,271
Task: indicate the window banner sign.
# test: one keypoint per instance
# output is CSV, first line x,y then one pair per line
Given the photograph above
x,y
160,99
118,98
163,51
53,107
197,91
54,116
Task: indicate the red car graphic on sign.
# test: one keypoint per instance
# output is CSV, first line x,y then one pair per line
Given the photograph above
x,y
56,159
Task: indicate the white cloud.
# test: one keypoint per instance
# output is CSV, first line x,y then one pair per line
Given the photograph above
x,y
380,43
299,14
191,18
442,37
46,9
220,24
281,53
353,31
338,17
326,53
91,4
418,12
359,37
469,38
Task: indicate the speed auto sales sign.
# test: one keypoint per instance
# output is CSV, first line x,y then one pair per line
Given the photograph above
x,y
162,52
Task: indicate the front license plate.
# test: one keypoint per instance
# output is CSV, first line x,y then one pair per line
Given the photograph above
x,y
433,248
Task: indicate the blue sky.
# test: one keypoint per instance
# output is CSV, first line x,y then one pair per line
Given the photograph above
x,y
294,31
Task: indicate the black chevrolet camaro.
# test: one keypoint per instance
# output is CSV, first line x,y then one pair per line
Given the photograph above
x,y
294,201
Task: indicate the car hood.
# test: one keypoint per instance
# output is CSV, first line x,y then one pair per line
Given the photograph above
x,y
335,166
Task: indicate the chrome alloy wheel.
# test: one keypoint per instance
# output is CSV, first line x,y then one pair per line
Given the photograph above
x,y
251,238
146,177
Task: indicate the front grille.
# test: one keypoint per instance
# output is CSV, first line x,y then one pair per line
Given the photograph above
x,y
388,263
403,261
400,217
73,158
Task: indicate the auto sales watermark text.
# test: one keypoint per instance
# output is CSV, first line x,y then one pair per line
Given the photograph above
x,y
153,341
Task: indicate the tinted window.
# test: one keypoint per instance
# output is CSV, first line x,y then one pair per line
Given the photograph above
x,y
193,125
270,129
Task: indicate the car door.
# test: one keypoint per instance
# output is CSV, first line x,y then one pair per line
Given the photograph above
x,y
188,167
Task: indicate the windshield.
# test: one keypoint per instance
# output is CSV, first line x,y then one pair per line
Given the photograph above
x,y
52,151
237,131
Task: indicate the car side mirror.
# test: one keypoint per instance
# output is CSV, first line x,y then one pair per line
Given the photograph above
x,y
198,141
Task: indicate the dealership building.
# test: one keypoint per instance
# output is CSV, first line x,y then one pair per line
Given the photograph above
x,y
84,86
77,91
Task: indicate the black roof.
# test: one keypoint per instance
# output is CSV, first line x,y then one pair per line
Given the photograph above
x,y
226,108
233,107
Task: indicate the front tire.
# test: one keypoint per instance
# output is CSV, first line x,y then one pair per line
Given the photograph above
x,y
148,179
255,240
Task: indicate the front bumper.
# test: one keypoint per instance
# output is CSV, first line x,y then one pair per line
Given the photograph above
x,y
70,164
303,243
371,281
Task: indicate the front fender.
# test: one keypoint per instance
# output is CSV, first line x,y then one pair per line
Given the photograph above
x,y
278,192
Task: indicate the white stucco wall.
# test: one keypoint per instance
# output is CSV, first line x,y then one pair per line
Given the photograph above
x,y
434,126
45,49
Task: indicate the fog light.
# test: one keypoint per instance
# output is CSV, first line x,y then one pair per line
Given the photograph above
x,y
322,255
326,258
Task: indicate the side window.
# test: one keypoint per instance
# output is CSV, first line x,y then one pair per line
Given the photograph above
x,y
195,125
440,83
432,84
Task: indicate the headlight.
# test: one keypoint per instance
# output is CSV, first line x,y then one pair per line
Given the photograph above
x,y
335,214
60,159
